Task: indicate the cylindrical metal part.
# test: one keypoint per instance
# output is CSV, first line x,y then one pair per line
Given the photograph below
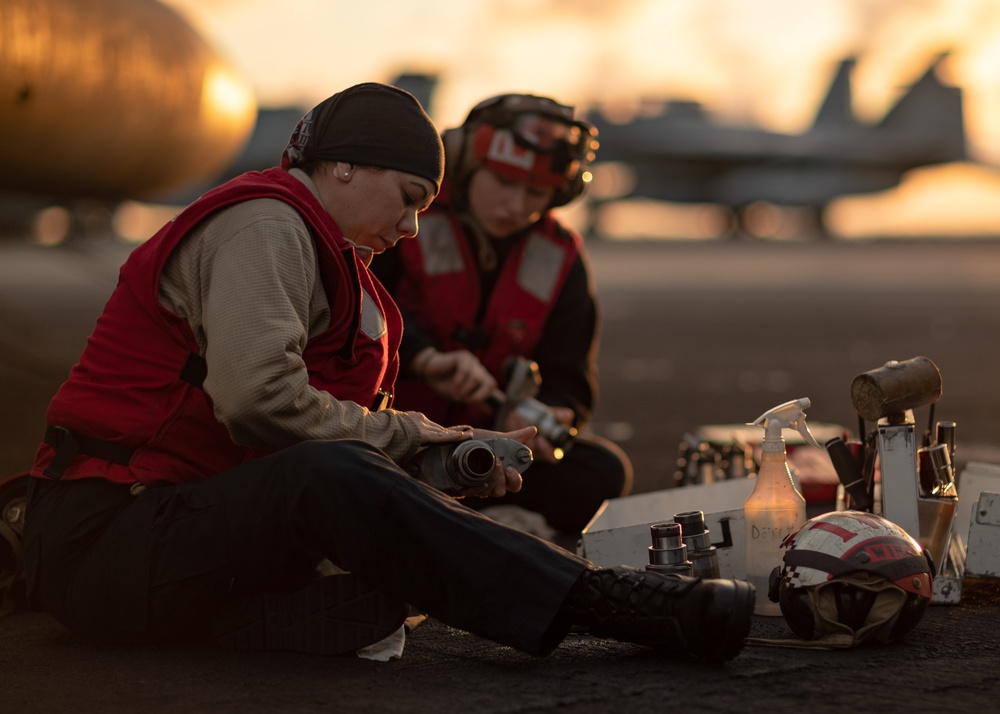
x,y
691,522
945,434
666,535
668,554
704,556
538,415
944,474
471,463
849,473
896,387
449,466
705,563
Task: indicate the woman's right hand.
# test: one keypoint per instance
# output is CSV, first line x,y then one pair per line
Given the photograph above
x,y
457,375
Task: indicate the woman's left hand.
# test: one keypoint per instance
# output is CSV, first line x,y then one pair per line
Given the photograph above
x,y
505,479
433,433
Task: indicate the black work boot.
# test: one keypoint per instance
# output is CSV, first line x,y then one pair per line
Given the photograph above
x,y
333,615
707,618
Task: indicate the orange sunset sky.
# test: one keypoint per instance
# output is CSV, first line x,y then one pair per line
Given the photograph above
x,y
766,63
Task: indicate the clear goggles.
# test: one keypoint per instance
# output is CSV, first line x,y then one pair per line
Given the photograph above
x,y
545,134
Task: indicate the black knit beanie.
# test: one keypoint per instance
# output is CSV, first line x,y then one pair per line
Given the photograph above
x,y
369,124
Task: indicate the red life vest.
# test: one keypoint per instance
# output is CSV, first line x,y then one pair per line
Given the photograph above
x,y
441,291
134,386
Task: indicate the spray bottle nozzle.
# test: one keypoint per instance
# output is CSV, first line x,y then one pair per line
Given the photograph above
x,y
790,415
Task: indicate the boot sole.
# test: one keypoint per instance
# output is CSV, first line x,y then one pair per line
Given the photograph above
x,y
728,621
334,615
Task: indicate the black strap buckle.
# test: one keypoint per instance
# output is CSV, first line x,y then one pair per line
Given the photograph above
x,y
66,449
68,444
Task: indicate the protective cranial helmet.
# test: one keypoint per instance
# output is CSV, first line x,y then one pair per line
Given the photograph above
x,y
525,138
851,577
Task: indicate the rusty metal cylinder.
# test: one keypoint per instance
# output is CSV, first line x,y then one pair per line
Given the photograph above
x,y
668,554
896,387
704,556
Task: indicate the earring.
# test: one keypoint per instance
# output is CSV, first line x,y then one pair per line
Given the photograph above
x,y
346,174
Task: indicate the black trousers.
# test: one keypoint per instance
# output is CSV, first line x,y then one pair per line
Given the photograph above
x,y
155,566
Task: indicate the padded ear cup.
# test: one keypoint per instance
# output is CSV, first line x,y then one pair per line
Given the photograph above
x,y
910,615
798,612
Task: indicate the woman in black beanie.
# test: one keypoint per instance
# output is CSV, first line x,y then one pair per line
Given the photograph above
x,y
226,429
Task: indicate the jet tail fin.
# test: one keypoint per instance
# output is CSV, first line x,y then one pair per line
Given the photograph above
x,y
932,112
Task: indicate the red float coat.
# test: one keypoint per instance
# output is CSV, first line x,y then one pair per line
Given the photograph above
x,y
441,290
128,387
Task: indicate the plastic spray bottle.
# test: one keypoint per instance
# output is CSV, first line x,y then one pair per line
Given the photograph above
x,y
775,508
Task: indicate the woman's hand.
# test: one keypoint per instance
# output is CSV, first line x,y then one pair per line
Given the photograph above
x,y
458,375
541,448
505,479
433,433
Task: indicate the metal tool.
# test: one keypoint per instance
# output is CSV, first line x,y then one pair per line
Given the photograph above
x,y
850,475
523,382
704,556
453,467
668,554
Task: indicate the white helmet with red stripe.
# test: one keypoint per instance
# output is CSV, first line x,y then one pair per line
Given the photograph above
x,y
852,573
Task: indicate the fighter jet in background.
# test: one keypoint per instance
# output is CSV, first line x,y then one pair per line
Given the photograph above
x,y
681,155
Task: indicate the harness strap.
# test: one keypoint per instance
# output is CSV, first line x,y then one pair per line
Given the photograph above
x,y
69,444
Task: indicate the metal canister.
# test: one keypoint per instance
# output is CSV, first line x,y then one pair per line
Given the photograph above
x,y
668,554
704,556
944,473
945,434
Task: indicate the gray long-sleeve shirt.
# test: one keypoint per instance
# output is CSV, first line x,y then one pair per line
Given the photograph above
x,y
247,282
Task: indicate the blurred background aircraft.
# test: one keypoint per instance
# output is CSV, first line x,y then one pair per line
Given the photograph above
x,y
681,154
127,100
115,112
